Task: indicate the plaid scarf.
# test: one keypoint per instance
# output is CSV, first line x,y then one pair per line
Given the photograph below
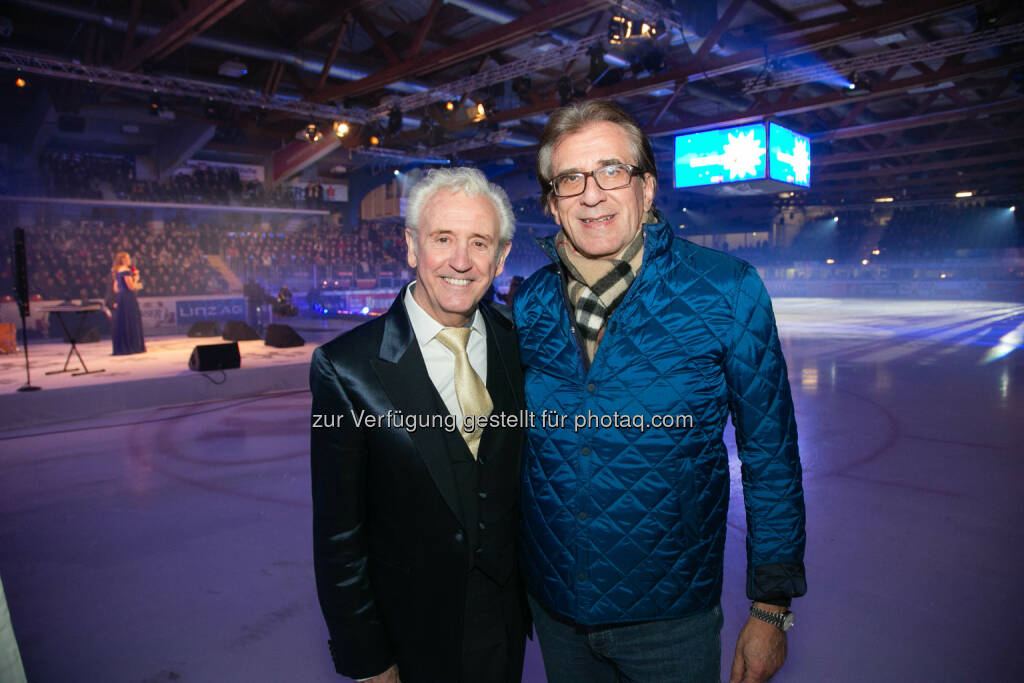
x,y
597,286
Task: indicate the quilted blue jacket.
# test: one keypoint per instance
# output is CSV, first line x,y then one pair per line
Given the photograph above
x,y
624,498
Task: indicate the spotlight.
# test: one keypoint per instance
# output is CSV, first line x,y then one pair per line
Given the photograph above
x,y
598,67
619,30
964,195
830,261
857,84
374,140
340,129
864,262
521,86
875,252
20,82
481,111
154,104
395,172
564,87
835,219
1012,209
449,105
313,133
394,125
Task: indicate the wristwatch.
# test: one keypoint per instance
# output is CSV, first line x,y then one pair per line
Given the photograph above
x,y
780,620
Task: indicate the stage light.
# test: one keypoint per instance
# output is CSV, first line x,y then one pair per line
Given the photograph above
x,y
835,219
942,276
313,133
684,209
395,172
619,30
564,87
341,129
875,252
154,104
20,82
864,262
830,261
449,105
394,125
964,195
1012,209
521,86
883,200
481,111
374,140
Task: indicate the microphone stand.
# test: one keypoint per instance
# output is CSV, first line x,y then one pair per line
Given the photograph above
x,y
24,338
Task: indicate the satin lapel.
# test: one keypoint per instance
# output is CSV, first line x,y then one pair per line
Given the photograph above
x,y
403,374
505,393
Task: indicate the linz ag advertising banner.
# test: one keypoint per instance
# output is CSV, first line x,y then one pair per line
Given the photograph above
x,y
220,310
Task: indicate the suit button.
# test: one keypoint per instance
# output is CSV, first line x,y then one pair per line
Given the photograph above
x,y
482,495
458,537
582,516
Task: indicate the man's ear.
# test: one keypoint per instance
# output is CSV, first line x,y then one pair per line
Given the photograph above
x,y
410,248
501,259
552,200
650,185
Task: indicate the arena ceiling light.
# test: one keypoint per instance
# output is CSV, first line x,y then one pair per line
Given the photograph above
x,y
964,195
313,133
341,128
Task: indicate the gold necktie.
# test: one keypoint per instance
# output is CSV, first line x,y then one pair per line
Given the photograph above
x,y
469,388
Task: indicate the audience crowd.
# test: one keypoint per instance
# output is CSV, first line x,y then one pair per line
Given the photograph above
x,y
102,176
72,260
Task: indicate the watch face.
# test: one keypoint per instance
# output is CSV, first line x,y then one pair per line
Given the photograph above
x,y
787,621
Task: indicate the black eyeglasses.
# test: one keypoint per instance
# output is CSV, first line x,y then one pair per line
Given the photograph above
x,y
610,177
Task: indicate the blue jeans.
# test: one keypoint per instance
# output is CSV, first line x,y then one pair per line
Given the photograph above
x,y
686,650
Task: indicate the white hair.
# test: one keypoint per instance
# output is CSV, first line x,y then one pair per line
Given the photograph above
x,y
468,181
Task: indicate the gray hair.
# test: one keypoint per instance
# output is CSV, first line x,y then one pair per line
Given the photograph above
x,y
468,181
571,119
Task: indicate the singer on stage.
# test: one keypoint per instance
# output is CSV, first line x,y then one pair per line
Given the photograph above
x,y
127,335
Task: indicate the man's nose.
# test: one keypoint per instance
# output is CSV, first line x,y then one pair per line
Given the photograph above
x,y
592,192
459,258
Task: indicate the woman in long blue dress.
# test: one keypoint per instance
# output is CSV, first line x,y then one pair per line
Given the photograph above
x,y
127,335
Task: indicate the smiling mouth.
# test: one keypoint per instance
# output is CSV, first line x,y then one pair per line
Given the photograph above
x,y
456,281
599,219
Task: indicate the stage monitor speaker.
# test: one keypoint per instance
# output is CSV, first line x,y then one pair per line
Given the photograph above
x,y
204,328
283,336
20,271
236,330
206,357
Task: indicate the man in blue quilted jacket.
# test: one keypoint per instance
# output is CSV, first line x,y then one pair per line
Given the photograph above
x,y
636,347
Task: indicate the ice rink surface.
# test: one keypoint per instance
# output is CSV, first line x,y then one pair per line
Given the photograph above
x,y
173,544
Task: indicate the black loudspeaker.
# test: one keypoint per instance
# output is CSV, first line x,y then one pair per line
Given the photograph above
x,y
20,271
283,336
236,330
215,357
204,328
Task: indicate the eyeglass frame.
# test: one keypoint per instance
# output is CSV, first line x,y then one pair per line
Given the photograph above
x,y
634,171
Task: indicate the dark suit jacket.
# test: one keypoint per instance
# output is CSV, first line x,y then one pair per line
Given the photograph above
x,y
391,551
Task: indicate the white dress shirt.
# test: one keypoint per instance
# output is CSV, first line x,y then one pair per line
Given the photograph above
x,y
440,361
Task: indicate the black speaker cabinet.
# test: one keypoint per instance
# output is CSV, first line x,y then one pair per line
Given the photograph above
x,y
236,330
283,336
207,357
204,328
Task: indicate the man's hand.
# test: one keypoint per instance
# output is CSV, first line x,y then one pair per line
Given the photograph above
x,y
760,650
389,676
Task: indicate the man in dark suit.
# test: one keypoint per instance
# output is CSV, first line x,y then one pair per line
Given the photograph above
x,y
414,518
